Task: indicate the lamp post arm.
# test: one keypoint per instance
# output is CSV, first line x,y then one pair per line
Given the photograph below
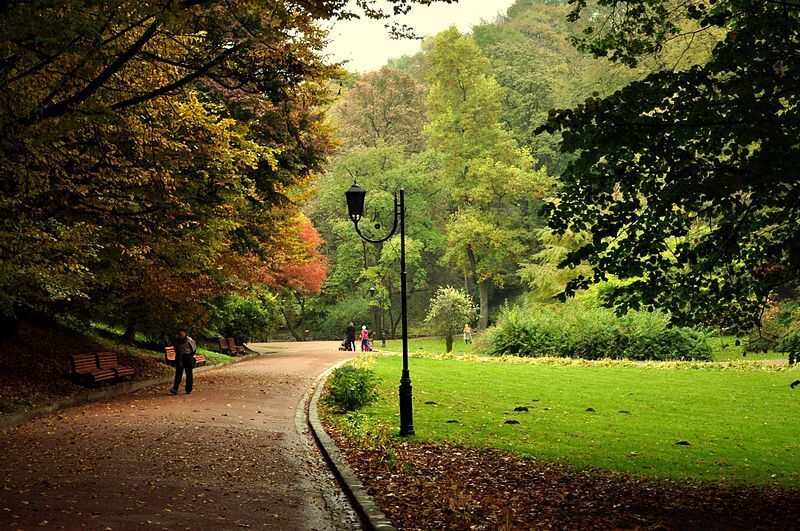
x,y
392,232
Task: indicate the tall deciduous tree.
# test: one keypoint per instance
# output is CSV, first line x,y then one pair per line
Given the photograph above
x,y
357,266
148,148
489,176
383,107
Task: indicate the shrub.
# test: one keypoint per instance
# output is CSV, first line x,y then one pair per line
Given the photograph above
x,y
790,342
351,388
450,309
355,309
249,317
577,329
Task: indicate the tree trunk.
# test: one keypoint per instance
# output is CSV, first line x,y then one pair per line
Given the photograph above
x,y
395,324
8,327
483,290
448,343
130,332
484,296
289,325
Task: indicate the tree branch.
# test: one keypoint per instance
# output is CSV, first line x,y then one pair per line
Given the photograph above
x,y
63,106
169,87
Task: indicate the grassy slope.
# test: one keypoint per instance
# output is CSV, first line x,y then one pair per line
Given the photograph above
x,y
742,424
36,363
724,348
114,336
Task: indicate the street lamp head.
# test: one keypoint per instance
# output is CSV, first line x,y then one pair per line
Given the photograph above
x,y
355,202
372,292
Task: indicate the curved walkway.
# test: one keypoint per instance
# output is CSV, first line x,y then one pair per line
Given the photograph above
x,y
228,456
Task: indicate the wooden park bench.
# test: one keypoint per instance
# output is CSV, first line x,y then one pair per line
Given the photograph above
x,y
223,346
110,361
90,369
84,370
234,348
169,357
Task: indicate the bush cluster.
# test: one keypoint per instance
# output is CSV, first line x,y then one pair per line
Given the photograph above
x,y
351,388
579,330
333,326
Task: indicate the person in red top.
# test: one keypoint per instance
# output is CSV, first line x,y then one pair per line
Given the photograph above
x,y
365,339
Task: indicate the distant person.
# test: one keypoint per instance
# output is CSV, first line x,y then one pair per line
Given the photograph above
x,y
467,334
365,347
185,349
351,337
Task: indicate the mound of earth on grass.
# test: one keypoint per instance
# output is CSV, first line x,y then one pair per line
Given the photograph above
x,y
34,366
436,486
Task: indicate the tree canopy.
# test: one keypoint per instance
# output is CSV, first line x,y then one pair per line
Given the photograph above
x,y
687,179
155,153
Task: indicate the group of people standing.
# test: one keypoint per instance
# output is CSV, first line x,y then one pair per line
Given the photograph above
x,y
350,338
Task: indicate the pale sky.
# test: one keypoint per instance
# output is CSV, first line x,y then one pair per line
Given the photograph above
x,y
366,45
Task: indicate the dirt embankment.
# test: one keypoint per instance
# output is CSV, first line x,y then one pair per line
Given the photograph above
x,y
34,366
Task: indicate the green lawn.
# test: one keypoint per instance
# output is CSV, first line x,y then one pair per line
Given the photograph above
x,y
426,344
743,426
724,348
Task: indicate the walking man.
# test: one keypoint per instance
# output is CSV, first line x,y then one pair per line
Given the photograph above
x,y
185,349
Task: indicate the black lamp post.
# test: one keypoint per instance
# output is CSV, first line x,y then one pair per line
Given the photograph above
x,y
355,209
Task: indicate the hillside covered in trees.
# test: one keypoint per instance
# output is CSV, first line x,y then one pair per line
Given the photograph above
x,y
459,126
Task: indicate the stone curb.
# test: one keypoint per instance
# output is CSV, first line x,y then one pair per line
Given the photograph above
x,y
371,515
122,388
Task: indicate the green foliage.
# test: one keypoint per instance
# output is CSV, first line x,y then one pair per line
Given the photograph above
x,y
450,309
790,342
351,388
356,267
492,180
580,330
249,317
352,309
687,178
542,273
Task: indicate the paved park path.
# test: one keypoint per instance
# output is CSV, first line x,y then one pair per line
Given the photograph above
x,y
228,456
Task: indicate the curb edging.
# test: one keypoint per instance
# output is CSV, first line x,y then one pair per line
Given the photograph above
x,y
118,389
371,515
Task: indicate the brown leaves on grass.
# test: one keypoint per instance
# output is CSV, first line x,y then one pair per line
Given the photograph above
x,y
35,365
437,486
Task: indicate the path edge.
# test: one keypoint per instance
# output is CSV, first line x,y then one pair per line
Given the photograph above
x,y
118,389
371,515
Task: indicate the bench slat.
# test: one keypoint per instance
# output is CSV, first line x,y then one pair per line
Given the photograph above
x,y
110,361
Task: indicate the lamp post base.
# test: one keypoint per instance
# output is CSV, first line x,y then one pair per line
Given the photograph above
x,y
406,413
